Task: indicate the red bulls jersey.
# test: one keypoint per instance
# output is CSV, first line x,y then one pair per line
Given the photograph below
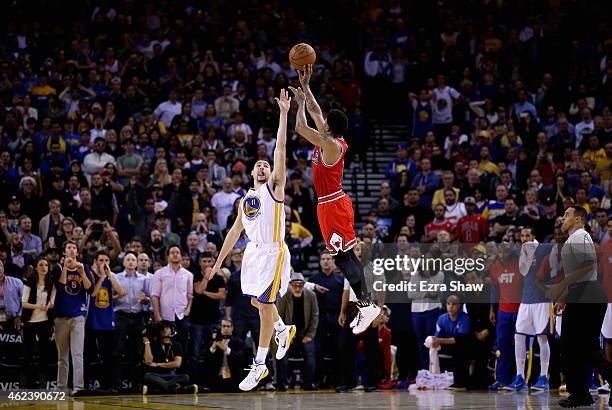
x,y
335,208
327,178
472,229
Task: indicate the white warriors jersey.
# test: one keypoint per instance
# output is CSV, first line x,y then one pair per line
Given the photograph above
x,y
263,217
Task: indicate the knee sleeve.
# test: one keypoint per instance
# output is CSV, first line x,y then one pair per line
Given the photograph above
x,y
352,270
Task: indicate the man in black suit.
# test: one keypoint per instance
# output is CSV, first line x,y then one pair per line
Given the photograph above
x,y
226,358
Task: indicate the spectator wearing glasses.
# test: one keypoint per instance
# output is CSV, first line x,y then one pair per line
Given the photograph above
x,y
300,308
225,358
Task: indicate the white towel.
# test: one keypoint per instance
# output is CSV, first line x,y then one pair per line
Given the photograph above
x,y
553,261
527,254
434,359
425,380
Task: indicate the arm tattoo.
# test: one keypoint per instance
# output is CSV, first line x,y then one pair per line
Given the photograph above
x,y
312,106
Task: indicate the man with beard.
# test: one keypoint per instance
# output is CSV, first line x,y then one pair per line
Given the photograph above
x,y
455,210
156,245
19,259
13,214
439,223
95,161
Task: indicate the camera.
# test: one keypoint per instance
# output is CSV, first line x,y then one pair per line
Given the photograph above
x,y
216,335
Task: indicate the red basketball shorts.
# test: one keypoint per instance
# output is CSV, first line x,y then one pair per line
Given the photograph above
x,y
336,219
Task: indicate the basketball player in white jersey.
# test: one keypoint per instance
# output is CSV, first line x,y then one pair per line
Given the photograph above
x,y
266,265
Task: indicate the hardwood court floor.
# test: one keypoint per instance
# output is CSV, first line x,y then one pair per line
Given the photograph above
x,y
430,400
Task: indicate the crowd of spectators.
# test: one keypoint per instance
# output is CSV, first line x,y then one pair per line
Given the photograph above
x,y
129,127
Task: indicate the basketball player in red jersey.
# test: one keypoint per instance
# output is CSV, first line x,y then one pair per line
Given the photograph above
x,y
335,208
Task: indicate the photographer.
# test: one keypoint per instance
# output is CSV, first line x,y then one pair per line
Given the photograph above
x,y
98,236
206,231
162,357
226,358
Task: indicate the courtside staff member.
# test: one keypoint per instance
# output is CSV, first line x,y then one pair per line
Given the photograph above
x,y
584,312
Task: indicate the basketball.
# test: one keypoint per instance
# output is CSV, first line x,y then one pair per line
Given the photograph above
x,y
302,54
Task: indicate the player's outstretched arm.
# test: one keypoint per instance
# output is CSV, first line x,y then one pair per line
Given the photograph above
x,y
301,126
311,103
230,240
277,179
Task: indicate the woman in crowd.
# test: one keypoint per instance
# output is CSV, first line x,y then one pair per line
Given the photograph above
x,y
38,298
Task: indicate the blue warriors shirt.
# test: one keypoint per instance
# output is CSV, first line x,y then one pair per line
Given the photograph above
x,y
422,120
101,313
72,298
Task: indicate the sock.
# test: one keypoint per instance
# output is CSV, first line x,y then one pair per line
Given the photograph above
x,y
544,354
520,350
262,352
279,326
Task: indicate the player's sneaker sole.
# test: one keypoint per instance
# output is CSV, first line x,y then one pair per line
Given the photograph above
x,y
281,352
368,314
